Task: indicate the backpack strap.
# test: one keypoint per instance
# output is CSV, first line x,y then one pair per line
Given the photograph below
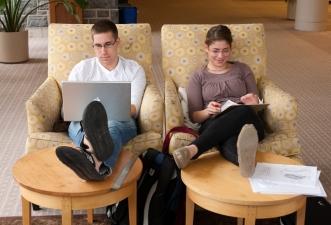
x,y
182,129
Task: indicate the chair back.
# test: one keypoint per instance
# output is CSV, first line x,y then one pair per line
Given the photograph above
x,y
68,44
183,49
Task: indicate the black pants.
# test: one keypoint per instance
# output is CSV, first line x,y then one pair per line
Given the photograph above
x,y
223,131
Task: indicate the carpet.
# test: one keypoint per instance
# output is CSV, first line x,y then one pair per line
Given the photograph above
x,y
200,218
54,220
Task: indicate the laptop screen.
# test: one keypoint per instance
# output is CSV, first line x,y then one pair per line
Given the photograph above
x,y
115,97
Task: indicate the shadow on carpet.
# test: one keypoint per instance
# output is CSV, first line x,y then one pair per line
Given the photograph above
x,y
200,218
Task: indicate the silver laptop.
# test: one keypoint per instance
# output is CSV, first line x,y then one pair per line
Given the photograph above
x,y
115,97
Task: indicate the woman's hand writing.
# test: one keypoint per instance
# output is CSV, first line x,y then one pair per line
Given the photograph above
x,y
210,111
213,108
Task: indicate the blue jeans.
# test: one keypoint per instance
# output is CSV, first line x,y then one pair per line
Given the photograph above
x,y
120,131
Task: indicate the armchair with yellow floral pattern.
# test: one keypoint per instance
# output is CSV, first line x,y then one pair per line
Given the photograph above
x,y
183,52
67,45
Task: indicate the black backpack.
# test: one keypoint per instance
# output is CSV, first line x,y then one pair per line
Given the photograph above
x,y
160,194
318,212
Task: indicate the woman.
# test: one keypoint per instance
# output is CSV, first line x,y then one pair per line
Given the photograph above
x,y
235,132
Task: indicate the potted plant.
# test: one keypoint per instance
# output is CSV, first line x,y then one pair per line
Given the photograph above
x,y
13,36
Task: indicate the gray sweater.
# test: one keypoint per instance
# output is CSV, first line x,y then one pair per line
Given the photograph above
x,y
205,86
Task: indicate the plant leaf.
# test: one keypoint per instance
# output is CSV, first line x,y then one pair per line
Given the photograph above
x,y
3,25
69,7
21,17
7,16
2,4
82,3
78,18
14,14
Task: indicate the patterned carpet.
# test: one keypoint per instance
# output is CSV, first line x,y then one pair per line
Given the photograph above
x,y
205,218
54,220
299,62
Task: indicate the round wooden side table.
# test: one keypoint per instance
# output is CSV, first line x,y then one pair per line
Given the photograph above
x,y
45,181
216,185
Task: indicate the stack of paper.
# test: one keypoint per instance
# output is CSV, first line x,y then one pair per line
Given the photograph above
x,y
286,179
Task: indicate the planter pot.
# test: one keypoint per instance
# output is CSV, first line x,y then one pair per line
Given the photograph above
x,y
14,47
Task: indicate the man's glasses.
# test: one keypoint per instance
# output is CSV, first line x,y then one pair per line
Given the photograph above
x,y
106,45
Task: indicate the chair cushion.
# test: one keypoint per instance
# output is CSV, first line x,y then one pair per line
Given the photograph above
x,y
184,103
41,140
283,144
68,44
183,49
137,145
179,139
151,111
144,141
44,106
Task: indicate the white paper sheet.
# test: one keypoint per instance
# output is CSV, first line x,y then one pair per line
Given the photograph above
x,y
306,176
286,179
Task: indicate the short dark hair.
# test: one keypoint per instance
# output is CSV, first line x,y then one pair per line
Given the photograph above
x,y
104,26
218,33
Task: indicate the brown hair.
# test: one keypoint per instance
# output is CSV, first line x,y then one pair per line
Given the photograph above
x,y
218,33
104,26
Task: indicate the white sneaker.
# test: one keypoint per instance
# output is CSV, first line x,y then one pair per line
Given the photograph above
x,y
246,146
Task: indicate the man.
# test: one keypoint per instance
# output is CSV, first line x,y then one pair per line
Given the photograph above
x,y
100,140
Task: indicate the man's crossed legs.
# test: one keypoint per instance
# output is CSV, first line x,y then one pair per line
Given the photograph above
x,y
100,142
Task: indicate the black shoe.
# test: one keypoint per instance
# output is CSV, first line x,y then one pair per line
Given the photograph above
x,y
82,163
95,125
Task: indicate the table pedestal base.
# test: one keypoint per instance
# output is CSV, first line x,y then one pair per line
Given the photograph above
x,y
246,214
67,203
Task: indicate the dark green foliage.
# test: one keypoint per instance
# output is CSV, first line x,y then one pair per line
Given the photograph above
x,y
15,12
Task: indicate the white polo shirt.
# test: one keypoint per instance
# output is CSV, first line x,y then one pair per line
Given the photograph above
x,y
125,70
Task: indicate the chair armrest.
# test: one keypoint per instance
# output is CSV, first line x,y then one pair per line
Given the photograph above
x,y
43,107
174,116
281,114
281,143
151,111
